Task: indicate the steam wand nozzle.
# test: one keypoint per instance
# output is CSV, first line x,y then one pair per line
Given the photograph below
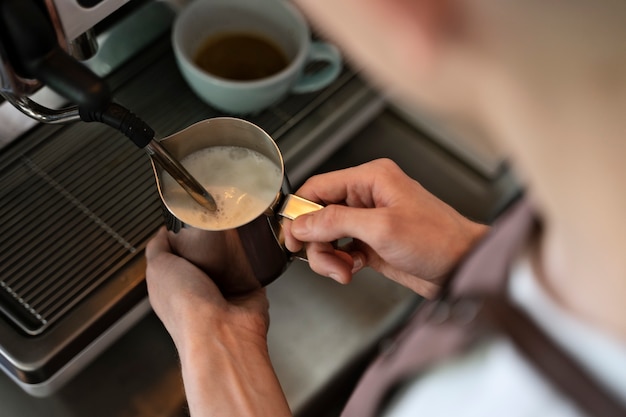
x,y
126,122
181,175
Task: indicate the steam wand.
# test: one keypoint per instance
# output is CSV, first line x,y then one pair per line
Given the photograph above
x,y
142,135
181,175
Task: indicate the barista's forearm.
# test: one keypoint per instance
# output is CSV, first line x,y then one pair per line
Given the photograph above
x,y
230,378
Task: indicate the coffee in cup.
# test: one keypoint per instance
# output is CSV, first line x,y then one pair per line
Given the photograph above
x,y
241,56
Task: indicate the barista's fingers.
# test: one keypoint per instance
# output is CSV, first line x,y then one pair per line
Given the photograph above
x,y
332,223
158,244
330,262
174,280
292,244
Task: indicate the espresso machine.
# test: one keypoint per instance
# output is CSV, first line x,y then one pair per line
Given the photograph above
x,y
40,42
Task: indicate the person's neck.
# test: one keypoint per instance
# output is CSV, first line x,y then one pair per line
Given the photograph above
x,y
585,277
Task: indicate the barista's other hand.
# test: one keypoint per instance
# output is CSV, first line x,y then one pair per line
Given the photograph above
x,y
185,298
398,228
222,343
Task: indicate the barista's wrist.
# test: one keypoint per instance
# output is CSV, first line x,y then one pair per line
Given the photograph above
x,y
230,375
216,347
199,325
473,233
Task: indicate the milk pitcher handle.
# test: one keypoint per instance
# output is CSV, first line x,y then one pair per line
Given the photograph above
x,y
294,206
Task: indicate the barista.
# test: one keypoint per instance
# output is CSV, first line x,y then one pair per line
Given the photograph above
x,y
547,82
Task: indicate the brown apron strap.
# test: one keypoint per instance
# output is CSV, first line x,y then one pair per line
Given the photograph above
x,y
553,362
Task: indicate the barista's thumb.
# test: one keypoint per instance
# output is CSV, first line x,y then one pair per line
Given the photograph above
x,y
331,223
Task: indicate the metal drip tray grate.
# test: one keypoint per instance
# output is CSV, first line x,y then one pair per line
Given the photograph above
x,y
73,210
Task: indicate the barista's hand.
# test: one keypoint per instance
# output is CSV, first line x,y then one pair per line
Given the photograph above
x,y
398,228
222,343
180,292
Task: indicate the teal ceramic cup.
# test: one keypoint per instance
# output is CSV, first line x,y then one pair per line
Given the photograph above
x,y
277,20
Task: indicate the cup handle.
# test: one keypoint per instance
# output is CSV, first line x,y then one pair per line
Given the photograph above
x,y
320,52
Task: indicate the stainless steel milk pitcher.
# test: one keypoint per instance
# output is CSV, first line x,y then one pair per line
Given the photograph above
x,y
250,255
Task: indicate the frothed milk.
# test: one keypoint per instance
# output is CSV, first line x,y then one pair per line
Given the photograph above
x,y
242,181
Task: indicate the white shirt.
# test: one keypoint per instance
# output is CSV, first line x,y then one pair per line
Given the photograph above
x,y
493,379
